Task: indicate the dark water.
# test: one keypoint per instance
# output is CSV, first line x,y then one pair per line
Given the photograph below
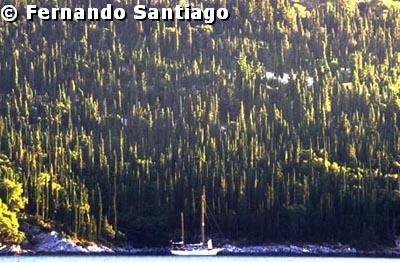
x,y
111,259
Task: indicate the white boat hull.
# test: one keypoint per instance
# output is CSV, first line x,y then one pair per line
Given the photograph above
x,y
197,252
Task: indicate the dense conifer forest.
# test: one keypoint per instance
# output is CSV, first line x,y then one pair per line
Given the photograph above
x,y
287,113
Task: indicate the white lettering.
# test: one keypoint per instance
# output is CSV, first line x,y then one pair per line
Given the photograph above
x,y
30,11
140,12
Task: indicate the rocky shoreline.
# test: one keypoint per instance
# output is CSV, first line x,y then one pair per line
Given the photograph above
x,y
270,250
53,243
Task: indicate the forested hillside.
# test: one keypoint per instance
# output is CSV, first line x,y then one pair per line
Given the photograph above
x,y
287,113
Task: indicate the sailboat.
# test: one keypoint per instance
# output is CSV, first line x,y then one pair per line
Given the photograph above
x,y
200,249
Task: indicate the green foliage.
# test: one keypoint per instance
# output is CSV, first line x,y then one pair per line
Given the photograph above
x,y
288,114
9,225
12,202
12,193
146,230
107,230
11,190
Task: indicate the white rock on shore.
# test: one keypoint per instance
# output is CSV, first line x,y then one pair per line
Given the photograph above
x,y
53,242
291,249
11,249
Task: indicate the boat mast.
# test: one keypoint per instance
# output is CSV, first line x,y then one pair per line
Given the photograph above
x,y
183,228
203,213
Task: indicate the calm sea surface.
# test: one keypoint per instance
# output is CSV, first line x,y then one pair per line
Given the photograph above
x,y
108,259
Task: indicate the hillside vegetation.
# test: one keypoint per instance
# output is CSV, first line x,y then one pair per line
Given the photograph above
x,y
287,114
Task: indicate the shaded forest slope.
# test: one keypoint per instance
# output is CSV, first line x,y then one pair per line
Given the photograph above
x,y
289,116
